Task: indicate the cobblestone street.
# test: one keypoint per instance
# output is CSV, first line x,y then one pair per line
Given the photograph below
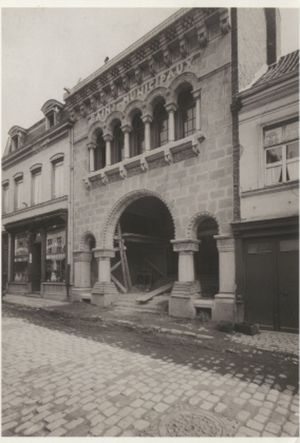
x,y
58,383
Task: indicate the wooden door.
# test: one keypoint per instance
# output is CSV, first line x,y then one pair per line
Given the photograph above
x,y
288,284
260,302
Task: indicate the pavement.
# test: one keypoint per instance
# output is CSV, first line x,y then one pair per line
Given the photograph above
x,y
60,384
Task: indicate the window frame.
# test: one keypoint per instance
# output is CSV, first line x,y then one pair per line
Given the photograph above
x,y
56,160
5,199
35,171
18,180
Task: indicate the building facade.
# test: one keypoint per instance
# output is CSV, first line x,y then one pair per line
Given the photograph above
x,y
267,235
35,206
156,160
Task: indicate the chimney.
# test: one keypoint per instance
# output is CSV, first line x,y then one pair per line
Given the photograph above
x,y
273,34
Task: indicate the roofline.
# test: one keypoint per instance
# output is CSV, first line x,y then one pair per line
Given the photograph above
x,y
268,84
156,30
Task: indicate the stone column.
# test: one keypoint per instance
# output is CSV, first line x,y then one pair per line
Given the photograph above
x,y
91,148
147,119
104,293
82,274
171,108
185,289
108,139
225,300
196,95
126,130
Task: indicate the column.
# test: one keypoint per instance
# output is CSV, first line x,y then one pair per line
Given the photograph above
x,y
91,148
108,139
11,239
126,129
82,274
43,255
225,308
171,108
104,293
196,95
147,119
185,289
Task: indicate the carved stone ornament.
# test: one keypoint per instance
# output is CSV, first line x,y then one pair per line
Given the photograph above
x,y
144,164
104,178
86,183
114,90
122,171
224,22
167,57
138,75
197,140
202,36
93,103
183,48
125,83
151,65
103,98
72,116
168,156
83,111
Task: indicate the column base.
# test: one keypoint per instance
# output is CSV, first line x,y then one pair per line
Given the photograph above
x,y
225,308
77,294
180,303
104,294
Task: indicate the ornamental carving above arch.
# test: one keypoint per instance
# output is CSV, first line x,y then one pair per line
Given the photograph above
x,y
191,229
185,77
92,130
120,206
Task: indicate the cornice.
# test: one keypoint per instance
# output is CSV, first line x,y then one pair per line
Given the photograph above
x,y
145,58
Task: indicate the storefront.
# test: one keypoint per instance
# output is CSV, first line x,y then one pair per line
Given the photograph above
x,y
38,256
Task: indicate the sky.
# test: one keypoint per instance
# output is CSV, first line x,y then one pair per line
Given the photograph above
x,y
46,49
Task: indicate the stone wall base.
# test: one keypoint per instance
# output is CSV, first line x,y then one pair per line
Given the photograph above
x,y
104,294
225,308
180,303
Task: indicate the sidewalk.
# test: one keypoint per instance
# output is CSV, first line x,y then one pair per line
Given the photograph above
x,y
206,333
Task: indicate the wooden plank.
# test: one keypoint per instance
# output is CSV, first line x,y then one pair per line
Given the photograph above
x,y
115,266
118,284
147,297
141,238
124,262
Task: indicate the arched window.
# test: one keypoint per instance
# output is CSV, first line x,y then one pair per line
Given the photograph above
x,y
137,136
186,114
159,125
117,153
100,157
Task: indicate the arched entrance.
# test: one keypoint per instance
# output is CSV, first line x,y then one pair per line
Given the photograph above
x,y
145,259
207,258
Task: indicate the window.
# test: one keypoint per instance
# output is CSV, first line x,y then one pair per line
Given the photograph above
x,y
137,136
58,178
186,114
19,200
55,256
5,189
160,125
21,258
100,153
15,142
36,186
117,144
281,145
50,119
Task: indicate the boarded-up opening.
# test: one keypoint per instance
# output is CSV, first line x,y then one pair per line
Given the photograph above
x,y
145,229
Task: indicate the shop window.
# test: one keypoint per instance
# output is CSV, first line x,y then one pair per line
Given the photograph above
x,y
186,114
117,144
160,125
21,258
36,186
19,200
137,136
5,189
100,153
281,150
55,256
58,177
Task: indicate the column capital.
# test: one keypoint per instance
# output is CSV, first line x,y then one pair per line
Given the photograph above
x,y
82,256
147,118
225,243
126,128
104,253
91,145
185,245
196,93
171,107
108,137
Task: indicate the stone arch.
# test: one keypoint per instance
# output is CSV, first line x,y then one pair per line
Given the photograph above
x,y
160,91
121,205
186,77
131,108
83,245
93,129
115,115
191,230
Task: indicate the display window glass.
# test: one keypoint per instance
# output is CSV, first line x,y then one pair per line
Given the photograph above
x,y
56,256
21,258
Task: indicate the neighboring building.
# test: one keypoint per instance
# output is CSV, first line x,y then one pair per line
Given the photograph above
x,y
35,190
155,155
268,235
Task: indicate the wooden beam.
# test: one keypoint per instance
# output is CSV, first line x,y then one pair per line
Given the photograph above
x,y
118,284
115,266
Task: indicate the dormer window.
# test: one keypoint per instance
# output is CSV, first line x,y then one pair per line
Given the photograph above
x,y
50,120
17,138
15,142
51,110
